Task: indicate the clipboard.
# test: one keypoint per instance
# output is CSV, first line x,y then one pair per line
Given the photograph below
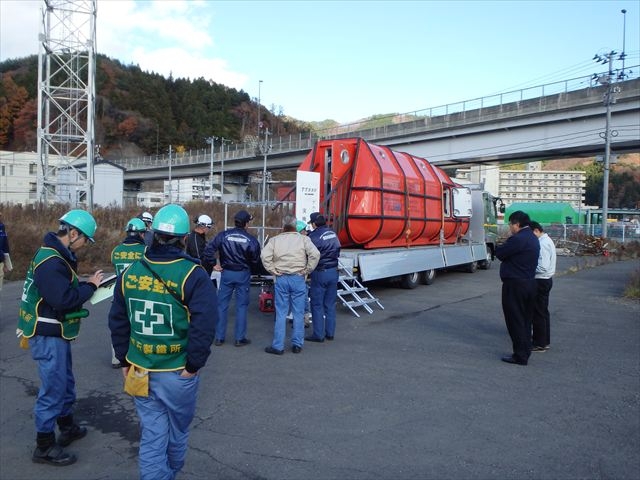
x,y
105,290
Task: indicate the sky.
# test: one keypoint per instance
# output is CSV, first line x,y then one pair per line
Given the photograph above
x,y
347,60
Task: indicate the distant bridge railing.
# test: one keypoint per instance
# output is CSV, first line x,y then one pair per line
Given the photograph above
x,y
540,98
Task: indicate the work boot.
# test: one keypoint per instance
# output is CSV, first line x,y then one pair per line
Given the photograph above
x,y
69,431
49,452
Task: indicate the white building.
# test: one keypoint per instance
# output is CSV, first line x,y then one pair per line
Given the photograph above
x,y
19,176
108,186
20,172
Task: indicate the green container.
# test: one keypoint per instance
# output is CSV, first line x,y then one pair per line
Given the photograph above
x,y
545,213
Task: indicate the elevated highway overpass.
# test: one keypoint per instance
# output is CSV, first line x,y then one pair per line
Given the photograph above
x,y
566,123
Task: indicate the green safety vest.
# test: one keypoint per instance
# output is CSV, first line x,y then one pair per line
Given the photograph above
x,y
159,322
31,298
125,254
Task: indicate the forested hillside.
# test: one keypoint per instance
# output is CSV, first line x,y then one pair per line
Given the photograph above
x,y
138,113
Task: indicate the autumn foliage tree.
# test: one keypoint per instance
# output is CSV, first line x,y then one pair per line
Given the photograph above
x,y
12,99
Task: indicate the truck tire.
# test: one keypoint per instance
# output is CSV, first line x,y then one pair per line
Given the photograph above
x,y
471,267
486,264
410,280
427,277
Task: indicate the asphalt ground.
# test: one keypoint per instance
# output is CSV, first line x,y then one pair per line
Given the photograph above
x,y
414,391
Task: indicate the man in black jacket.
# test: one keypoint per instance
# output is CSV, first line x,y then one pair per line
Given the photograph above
x,y
197,241
519,257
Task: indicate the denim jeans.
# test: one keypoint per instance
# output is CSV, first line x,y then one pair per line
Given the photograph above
x,y
290,290
239,282
165,416
307,304
57,386
324,292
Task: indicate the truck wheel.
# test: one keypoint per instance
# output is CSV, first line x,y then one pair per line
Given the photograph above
x,y
486,264
471,267
427,277
410,280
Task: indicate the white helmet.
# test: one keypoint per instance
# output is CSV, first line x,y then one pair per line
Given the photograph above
x,y
204,221
146,217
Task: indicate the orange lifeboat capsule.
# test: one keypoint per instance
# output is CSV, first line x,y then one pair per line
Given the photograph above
x,y
375,197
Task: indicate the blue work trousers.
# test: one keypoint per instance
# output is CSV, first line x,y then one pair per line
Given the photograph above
x,y
57,392
324,292
231,281
289,290
165,416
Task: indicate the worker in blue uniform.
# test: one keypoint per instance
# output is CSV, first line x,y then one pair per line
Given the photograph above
x,y
162,323
49,319
239,256
324,280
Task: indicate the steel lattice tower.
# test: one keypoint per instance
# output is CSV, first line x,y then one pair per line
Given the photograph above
x,y
66,100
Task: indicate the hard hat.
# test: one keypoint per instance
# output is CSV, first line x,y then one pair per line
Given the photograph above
x,y
204,221
300,226
82,221
146,217
171,219
135,225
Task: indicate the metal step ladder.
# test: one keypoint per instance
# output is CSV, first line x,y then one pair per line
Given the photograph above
x,y
352,293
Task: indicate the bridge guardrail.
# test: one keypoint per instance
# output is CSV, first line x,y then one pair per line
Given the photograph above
x,y
546,97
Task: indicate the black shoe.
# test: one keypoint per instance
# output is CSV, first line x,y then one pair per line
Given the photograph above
x,y
53,455
243,342
274,351
513,360
328,337
313,339
68,435
296,349
117,365
539,349
217,342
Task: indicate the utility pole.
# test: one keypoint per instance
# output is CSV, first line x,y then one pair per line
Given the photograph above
x,y
606,80
211,141
222,140
266,148
259,109
609,99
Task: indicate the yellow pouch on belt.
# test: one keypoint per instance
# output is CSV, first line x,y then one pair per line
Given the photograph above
x,y
137,382
23,341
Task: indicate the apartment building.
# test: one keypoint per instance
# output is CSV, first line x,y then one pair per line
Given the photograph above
x,y
530,185
523,186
